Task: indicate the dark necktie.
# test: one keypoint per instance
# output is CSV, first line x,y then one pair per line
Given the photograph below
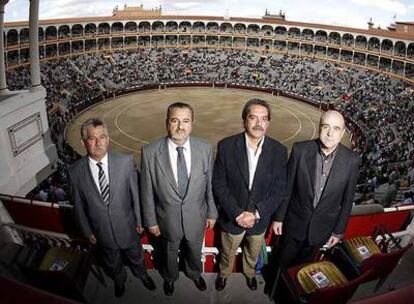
x,y
182,175
103,184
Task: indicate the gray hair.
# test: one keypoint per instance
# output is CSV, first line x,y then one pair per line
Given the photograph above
x,y
94,122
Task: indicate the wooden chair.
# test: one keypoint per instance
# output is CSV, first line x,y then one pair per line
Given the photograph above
x,y
63,271
303,289
379,260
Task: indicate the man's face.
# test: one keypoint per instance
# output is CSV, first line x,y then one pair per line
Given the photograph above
x,y
97,142
179,125
331,130
257,122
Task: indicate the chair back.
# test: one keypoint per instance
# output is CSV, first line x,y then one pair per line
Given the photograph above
x,y
338,295
383,264
302,285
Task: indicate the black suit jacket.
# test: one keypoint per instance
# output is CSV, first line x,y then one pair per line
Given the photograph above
x,y
301,220
114,226
231,182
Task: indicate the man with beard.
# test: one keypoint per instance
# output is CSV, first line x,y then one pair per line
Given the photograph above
x,y
249,181
176,193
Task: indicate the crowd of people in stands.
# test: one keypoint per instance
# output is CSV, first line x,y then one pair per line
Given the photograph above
x,y
381,107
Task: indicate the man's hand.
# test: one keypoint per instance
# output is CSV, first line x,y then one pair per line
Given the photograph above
x,y
210,223
277,227
92,239
246,219
154,230
333,240
140,229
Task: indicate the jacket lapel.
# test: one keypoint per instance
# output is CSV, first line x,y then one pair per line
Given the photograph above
x,y
196,163
113,174
164,164
89,177
263,163
240,155
311,164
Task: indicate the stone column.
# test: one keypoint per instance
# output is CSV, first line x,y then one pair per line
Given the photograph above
x,y
3,84
34,43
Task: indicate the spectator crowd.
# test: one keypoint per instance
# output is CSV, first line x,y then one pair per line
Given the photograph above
x,y
382,108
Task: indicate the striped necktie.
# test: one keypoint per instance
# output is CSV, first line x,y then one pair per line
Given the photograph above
x,y
103,184
182,174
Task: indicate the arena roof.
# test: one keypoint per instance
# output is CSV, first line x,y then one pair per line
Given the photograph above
x,y
371,32
405,22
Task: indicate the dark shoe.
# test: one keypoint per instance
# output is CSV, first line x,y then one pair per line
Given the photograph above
x,y
119,290
200,284
149,283
220,283
252,283
168,288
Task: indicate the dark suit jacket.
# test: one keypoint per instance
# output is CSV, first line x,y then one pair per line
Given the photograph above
x,y
231,182
177,216
300,219
114,226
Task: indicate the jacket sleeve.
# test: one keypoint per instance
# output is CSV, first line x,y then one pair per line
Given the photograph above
x,y
147,194
280,213
278,187
134,188
348,198
79,203
212,209
220,187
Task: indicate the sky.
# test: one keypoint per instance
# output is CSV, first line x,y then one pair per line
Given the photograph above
x,y
352,13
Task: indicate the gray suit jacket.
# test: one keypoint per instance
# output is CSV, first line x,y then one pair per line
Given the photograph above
x,y
114,226
161,203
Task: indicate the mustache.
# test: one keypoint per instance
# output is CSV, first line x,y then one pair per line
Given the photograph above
x,y
258,128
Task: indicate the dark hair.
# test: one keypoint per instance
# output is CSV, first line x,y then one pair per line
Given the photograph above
x,y
252,102
94,122
181,105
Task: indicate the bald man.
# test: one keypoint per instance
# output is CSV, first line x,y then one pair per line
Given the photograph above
x,y
322,176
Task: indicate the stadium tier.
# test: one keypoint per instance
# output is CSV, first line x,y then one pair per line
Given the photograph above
x,y
84,66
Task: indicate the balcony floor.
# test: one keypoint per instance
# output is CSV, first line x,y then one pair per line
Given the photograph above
x,y
236,290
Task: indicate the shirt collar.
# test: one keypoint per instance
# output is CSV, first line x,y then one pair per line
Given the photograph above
x,y
259,147
323,155
104,160
173,145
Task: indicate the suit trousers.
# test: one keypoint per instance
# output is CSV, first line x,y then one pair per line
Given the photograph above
x,y
190,252
114,266
251,250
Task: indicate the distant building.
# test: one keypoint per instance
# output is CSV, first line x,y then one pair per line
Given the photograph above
x,y
280,16
402,27
136,11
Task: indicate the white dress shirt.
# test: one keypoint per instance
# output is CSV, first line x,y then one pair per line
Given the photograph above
x,y
95,169
172,150
253,157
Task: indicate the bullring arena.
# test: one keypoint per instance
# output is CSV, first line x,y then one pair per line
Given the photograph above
x,y
139,118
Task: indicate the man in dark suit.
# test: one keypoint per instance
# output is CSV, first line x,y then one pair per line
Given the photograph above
x,y
104,188
176,194
249,182
322,176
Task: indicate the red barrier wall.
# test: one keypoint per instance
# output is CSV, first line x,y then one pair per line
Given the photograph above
x,y
49,218
365,224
